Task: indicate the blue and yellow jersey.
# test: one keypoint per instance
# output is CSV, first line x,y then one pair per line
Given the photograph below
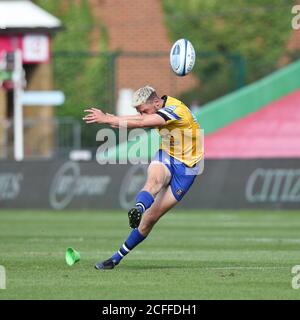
x,y
181,135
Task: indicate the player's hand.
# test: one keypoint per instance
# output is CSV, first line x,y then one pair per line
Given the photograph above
x,y
95,115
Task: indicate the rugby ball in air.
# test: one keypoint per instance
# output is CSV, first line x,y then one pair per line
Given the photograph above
x,y
182,57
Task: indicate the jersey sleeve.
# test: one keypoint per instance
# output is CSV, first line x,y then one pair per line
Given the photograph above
x,y
169,113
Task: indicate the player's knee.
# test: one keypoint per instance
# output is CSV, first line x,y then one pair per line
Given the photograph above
x,y
153,185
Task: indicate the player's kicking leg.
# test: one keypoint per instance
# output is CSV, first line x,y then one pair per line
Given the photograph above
x,y
156,187
158,177
164,201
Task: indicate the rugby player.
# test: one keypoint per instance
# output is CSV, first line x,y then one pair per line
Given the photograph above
x,y
172,171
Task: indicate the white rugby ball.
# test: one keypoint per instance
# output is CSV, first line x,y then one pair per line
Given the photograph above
x,y
182,57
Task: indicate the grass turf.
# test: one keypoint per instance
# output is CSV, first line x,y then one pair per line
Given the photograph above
x,y
188,255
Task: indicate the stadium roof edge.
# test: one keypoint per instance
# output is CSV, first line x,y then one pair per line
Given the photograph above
x,y
24,16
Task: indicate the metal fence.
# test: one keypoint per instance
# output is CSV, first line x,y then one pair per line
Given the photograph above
x,y
42,138
85,78
234,48
97,78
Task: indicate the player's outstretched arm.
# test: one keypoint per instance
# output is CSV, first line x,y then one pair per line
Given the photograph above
x,y
136,121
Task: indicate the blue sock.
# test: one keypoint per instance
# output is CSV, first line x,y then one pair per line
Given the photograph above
x,y
132,241
144,200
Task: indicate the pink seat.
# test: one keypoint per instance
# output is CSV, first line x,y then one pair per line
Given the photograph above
x,y
271,132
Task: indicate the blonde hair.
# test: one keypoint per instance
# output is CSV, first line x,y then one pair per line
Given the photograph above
x,y
142,95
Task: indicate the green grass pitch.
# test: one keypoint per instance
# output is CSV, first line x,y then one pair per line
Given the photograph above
x,y
188,255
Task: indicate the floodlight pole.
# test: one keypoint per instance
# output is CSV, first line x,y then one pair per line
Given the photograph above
x,y
18,107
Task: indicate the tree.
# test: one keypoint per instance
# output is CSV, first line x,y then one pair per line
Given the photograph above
x,y
229,36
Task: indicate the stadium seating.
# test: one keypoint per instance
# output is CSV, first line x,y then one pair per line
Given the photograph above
x,y
270,132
